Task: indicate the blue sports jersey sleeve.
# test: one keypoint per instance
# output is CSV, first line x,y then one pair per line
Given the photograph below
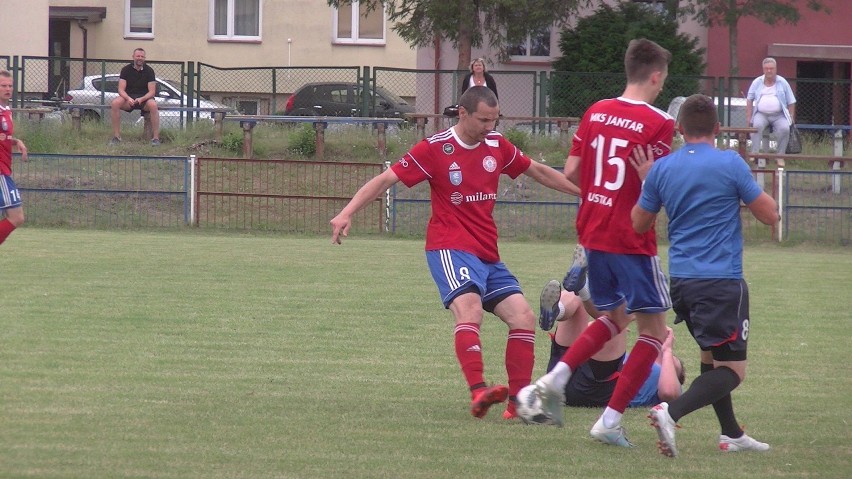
x,y
647,395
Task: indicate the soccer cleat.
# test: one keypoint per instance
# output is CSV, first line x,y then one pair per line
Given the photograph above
x,y
552,399
614,436
487,397
115,140
549,304
509,415
665,426
742,443
575,278
155,142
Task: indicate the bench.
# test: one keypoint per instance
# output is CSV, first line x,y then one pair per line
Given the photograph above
x,y
34,114
218,115
563,123
248,122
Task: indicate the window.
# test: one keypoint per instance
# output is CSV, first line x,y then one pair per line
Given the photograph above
x,y
354,24
139,18
537,44
235,19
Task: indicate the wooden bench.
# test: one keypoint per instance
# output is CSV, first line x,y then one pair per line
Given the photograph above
x,y
34,114
218,115
563,123
248,122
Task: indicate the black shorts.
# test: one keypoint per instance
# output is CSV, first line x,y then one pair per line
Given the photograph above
x,y
139,106
592,384
716,313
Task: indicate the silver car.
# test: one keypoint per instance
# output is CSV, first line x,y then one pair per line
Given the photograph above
x,y
102,89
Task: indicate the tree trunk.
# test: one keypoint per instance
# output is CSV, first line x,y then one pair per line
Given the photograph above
x,y
464,44
732,46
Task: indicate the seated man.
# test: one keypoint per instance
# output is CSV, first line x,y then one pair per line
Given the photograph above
x,y
594,381
137,87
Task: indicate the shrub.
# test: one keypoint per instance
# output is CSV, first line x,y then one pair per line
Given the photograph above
x,y
303,140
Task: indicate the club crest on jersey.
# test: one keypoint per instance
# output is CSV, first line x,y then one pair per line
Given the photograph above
x,y
449,148
2,137
489,163
456,177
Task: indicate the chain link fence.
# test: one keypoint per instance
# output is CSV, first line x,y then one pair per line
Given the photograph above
x,y
265,90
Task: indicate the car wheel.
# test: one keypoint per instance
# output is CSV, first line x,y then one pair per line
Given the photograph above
x,y
90,115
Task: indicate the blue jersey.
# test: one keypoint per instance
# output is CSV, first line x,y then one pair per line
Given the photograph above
x,y
647,395
701,188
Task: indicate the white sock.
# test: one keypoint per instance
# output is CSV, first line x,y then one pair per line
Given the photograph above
x,y
611,418
561,374
561,311
584,293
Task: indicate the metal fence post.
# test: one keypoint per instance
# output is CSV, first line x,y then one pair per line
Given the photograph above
x,y
190,90
19,75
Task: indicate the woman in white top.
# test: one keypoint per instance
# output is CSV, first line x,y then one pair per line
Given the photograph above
x,y
478,76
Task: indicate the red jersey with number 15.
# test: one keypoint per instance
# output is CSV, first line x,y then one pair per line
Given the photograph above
x,y
610,186
6,132
464,181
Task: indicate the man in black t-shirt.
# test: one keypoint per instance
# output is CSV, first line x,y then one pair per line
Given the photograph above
x,y
137,87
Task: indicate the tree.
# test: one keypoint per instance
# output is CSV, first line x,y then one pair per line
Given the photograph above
x,y
592,63
471,23
727,13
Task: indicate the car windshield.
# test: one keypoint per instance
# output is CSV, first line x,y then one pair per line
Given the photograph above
x,y
177,87
391,96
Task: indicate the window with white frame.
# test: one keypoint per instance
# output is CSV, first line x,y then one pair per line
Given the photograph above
x,y
354,24
235,19
139,18
536,46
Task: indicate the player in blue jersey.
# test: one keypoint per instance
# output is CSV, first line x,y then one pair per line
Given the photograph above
x,y
593,383
702,189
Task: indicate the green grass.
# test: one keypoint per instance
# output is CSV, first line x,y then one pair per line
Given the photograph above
x,y
196,354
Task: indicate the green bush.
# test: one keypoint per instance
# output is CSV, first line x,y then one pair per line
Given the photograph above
x,y
233,141
303,140
517,137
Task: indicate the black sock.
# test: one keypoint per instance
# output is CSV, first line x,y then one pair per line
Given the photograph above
x,y
724,408
707,388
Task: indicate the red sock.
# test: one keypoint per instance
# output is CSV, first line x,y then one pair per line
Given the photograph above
x,y
6,228
636,371
590,342
469,354
520,358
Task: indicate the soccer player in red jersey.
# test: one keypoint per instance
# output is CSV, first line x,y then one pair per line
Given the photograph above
x,y
624,272
463,165
10,198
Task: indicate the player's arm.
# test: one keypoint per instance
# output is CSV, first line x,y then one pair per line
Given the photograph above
x,y
152,92
668,386
122,90
572,169
765,209
642,220
22,148
366,194
551,178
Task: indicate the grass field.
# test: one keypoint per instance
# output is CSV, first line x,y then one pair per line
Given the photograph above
x,y
191,354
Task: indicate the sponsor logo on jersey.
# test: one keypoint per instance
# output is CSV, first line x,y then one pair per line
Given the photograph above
x,y
456,198
599,198
448,148
617,121
2,137
403,162
455,177
454,166
489,163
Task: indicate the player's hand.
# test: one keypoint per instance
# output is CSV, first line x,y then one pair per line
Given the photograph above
x,y
669,341
642,158
339,228
22,149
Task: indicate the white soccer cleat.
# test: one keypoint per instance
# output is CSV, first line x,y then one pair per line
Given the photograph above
x,y
742,443
552,399
613,436
665,426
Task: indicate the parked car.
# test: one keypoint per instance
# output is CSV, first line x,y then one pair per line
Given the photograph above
x,y
168,93
344,99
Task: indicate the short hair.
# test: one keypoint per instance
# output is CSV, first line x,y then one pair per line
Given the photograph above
x,y
475,95
480,60
644,57
140,49
697,116
681,375
5,74
769,60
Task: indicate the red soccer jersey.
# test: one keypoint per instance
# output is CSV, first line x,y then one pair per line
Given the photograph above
x,y
610,186
6,131
464,183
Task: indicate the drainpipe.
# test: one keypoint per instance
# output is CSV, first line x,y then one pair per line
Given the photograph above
x,y
85,44
437,106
